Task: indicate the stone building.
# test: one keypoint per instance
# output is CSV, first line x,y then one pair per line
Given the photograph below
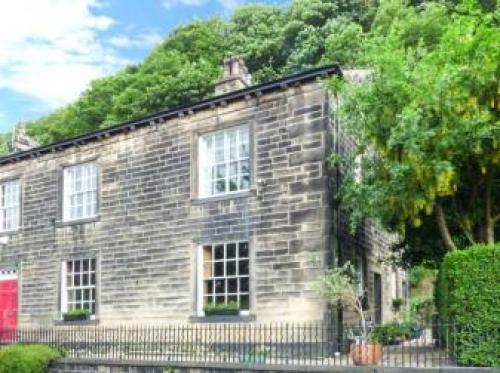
x,y
228,199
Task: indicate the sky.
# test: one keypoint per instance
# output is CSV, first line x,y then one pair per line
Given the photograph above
x,y
51,49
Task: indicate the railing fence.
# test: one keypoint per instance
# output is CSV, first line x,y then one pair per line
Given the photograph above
x,y
291,344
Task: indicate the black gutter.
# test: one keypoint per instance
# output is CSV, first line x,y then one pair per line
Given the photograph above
x,y
256,90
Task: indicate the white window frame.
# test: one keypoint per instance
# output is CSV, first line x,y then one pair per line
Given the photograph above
x,y
65,288
10,206
208,162
201,276
86,191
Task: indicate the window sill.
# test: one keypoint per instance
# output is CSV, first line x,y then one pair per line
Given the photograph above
x,y
76,323
10,232
223,197
64,223
222,319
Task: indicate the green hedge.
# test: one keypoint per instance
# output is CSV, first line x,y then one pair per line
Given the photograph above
x,y
468,294
26,358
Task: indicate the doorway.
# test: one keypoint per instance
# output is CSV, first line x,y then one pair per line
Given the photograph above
x,y
8,304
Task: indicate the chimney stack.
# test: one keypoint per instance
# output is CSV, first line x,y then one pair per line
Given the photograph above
x,y
20,141
235,76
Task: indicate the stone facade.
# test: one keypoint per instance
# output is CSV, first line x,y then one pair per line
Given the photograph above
x,y
152,220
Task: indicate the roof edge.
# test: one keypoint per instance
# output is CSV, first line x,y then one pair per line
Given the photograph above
x,y
162,115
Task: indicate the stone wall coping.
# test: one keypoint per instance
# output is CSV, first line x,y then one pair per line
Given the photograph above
x,y
211,366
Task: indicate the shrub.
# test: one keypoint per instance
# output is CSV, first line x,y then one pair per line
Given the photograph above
x,y
395,332
26,358
468,294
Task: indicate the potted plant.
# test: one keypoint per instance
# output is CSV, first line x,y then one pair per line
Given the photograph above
x,y
78,314
339,285
397,303
222,309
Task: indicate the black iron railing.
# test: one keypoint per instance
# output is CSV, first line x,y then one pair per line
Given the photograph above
x,y
292,344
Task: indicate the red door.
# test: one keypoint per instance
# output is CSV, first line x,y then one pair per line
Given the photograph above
x,y
8,309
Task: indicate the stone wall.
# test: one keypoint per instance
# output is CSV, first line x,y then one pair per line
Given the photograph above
x,y
103,367
151,220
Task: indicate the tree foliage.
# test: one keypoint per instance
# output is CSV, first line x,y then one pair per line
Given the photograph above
x,y
428,122
273,40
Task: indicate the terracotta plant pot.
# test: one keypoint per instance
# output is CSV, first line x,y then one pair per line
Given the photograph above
x,y
366,353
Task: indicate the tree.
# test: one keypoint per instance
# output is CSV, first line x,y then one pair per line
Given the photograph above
x,y
428,124
339,285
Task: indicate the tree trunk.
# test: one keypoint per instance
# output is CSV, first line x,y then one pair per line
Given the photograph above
x,y
489,222
443,228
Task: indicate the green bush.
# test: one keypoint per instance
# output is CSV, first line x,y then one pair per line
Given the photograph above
x,y
26,358
394,332
468,295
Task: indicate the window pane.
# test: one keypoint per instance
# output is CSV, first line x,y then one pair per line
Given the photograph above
x,y
219,269
220,186
244,285
231,268
233,169
244,148
244,182
243,267
219,252
232,285
220,299
233,184
231,250
243,250
244,168
220,286
232,139
244,302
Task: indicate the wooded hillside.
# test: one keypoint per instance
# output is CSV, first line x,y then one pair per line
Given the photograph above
x,y
274,41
